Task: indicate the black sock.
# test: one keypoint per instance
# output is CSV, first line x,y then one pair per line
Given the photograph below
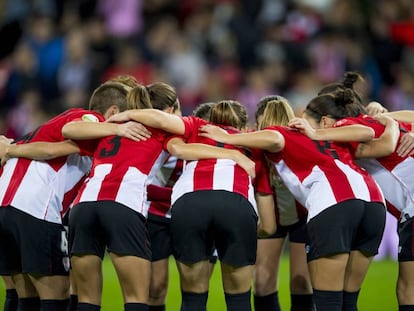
x,y
238,302
349,301
301,302
194,301
29,304
135,307
406,308
54,304
73,302
156,308
326,300
267,303
83,306
11,302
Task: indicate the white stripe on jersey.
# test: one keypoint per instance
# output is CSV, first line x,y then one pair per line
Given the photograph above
x,y
42,189
223,175
315,191
133,179
93,184
397,185
223,179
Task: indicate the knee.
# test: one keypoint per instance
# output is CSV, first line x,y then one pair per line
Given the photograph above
x,y
158,290
300,284
264,282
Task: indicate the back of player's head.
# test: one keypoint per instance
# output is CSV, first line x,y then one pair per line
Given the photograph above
x,y
109,94
261,105
202,111
277,111
163,96
229,112
350,78
337,105
138,98
126,80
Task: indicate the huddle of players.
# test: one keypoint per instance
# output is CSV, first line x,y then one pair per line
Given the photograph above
x,y
209,209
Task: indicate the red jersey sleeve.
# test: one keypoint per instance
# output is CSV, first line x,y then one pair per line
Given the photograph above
x,y
262,181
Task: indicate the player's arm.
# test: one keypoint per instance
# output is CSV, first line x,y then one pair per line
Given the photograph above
x,y
153,118
269,140
80,130
348,133
197,151
401,115
382,146
38,150
266,210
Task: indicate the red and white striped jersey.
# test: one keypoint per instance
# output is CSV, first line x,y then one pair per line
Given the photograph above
x,y
320,173
122,169
288,210
38,187
393,173
211,174
165,177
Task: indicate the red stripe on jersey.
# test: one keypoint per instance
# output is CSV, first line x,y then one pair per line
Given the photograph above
x,y
16,179
110,193
206,168
344,188
393,210
242,180
70,196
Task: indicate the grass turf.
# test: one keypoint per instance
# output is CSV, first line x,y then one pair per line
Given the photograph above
x,y
378,290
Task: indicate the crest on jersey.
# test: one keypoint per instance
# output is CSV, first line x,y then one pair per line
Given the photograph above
x,y
89,118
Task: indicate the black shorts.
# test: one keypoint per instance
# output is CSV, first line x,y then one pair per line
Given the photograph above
x,y
96,225
202,220
160,238
406,240
31,245
344,227
297,232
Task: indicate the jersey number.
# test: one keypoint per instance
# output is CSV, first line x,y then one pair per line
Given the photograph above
x,y
326,148
115,145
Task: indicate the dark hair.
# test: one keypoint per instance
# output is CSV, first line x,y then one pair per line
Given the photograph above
x,y
107,95
202,111
229,112
337,105
348,82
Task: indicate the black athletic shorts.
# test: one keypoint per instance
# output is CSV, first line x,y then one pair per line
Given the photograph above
x,y
202,220
31,245
96,225
297,232
344,227
406,240
160,238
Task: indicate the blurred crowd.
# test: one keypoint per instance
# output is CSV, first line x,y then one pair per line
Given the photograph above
x,y
54,52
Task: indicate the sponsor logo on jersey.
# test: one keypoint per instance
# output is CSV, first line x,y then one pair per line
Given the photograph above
x,y
89,118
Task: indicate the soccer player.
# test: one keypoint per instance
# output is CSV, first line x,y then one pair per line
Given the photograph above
x,y
391,172
205,201
346,211
113,200
159,219
291,220
32,193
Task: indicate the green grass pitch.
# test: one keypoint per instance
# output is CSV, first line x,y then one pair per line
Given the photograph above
x,y
377,294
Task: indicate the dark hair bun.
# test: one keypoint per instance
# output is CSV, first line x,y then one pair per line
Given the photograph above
x,y
350,78
344,97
